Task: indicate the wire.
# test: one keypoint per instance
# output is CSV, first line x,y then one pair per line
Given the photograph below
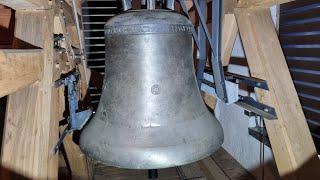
x,y
262,146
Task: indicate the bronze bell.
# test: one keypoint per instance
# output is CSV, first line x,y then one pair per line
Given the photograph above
x,y
151,114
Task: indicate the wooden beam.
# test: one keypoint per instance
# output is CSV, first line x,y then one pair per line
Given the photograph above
x,y
211,170
209,100
290,138
229,35
18,69
29,130
260,3
26,4
79,165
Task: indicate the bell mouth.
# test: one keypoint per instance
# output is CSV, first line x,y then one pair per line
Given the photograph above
x,y
156,158
106,143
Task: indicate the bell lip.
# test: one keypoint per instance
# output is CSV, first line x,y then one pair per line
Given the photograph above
x,y
126,165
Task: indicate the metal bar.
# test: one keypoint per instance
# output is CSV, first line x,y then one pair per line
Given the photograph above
x,y
126,5
202,45
170,4
94,38
260,133
98,59
151,4
203,22
97,52
95,45
260,109
218,72
250,81
82,51
185,11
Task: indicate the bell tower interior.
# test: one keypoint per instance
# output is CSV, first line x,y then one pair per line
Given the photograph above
x,y
160,89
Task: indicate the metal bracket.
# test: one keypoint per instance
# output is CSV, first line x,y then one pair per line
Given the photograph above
x,y
247,102
77,119
260,109
57,39
250,81
260,133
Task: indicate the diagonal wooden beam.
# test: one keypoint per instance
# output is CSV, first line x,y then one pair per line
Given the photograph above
x,y
292,145
260,3
229,35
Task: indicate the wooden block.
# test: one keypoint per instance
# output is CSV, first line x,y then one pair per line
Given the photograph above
x,y
26,4
80,167
19,69
210,100
5,16
290,138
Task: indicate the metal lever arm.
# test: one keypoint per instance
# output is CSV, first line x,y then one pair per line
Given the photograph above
x,y
76,120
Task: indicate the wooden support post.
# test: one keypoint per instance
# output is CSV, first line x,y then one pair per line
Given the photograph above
x,y
79,165
290,138
29,130
19,69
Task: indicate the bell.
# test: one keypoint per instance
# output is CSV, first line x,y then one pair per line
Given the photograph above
x,y
151,114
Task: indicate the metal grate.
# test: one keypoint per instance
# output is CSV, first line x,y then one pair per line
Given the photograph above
x,y
300,39
94,15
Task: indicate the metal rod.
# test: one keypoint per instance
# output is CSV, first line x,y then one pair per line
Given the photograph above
x,y
202,46
185,11
202,22
82,52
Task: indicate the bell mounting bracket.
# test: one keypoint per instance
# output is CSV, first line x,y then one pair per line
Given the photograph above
x,y
76,119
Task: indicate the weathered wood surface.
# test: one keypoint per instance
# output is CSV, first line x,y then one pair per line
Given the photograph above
x,y
26,4
29,130
290,138
19,69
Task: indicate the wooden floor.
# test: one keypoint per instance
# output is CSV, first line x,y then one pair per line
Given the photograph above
x,y
220,166
102,172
